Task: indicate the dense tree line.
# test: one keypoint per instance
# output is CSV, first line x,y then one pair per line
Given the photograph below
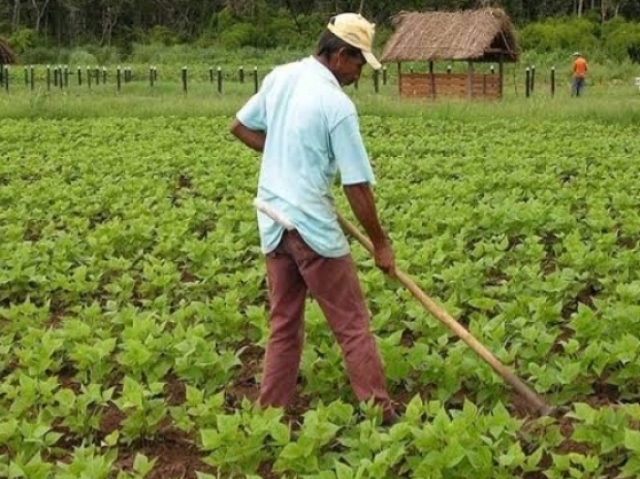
x,y
120,22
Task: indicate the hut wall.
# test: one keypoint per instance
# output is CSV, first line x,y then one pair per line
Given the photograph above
x,y
449,85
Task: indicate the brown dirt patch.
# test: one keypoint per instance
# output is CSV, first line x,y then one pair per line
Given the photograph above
x,y
175,390
111,420
245,384
569,445
176,457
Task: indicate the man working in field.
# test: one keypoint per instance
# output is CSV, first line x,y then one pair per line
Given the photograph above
x,y
307,129
579,73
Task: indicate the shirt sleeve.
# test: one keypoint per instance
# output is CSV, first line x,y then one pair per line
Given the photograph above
x,y
253,114
349,152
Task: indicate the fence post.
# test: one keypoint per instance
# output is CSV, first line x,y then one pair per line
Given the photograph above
x,y
31,78
6,78
151,76
89,77
255,79
184,79
104,75
527,80
376,80
79,76
553,81
219,80
26,75
60,77
533,78
241,74
118,78
48,77
384,75
210,74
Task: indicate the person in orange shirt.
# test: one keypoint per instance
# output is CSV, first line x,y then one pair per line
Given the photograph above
x,y
579,74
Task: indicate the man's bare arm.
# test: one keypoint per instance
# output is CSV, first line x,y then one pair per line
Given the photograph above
x,y
252,138
363,205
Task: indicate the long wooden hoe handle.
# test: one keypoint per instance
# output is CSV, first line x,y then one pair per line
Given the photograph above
x,y
534,400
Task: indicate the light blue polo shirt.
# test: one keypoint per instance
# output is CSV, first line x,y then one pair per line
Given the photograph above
x,y
313,133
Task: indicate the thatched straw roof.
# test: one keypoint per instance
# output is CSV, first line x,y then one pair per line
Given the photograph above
x,y
479,35
6,54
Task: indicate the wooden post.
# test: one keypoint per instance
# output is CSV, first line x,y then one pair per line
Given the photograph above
x,y
527,81
470,79
400,78
433,80
255,79
533,78
553,81
501,80
184,79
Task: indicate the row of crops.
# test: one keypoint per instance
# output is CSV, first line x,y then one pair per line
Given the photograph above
x,y
133,305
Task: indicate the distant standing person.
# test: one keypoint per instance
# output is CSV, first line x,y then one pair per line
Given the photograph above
x,y
579,73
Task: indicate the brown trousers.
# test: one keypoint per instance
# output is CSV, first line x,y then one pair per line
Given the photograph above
x,y
293,269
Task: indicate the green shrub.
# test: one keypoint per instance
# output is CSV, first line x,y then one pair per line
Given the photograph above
x,y
622,40
81,57
560,34
22,40
163,35
104,55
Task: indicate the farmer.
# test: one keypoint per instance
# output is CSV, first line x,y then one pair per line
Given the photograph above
x,y
307,129
579,73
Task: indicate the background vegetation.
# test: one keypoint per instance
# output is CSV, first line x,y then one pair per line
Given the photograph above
x,y
110,31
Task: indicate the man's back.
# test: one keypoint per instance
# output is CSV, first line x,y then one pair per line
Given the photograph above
x,y
312,132
580,67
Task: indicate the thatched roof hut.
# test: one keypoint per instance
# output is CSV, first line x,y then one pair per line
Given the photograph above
x,y
6,54
480,35
484,35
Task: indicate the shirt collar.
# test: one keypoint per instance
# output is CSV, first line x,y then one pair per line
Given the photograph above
x,y
320,70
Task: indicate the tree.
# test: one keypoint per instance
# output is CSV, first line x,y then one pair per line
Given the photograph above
x,y
39,8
